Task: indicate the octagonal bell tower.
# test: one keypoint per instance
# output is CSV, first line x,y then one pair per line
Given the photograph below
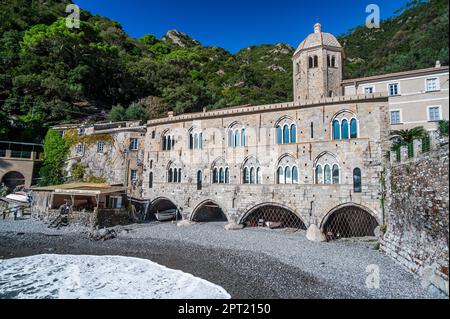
x,y
318,70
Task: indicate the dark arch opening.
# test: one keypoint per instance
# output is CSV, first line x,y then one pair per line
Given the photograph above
x,y
163,210
350,222
12,180
209,212
276,216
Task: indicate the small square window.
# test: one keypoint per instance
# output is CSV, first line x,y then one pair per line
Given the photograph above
x,y
80,149
394,89
134,175
432,85
134,144
434,113
368,90
100,147
395,117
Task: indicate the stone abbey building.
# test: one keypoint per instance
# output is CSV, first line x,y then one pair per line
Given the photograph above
x,y
314,163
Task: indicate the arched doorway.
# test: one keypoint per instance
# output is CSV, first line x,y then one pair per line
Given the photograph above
x,y
13,180
162,205
275,215
209,212
348,222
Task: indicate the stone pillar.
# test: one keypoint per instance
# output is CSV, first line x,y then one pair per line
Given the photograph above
x,y
417,147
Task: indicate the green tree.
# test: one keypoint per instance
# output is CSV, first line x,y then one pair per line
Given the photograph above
x,y
56,149
117,114
443,128
408,136
136,112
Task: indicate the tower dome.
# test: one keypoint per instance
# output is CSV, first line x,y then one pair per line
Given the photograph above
x,y
318,38
318,66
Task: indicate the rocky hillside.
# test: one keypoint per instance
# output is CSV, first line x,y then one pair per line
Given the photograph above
x,y
50,74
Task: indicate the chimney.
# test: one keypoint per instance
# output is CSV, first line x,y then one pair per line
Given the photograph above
x,y
438,64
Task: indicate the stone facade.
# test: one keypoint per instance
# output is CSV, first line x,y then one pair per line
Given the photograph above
x,y
313,202
117,159
417,217
318,68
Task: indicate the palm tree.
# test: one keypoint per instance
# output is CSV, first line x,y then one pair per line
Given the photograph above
x,y
408,136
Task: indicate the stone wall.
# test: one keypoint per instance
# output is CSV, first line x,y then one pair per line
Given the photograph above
x,y
310,201
417,217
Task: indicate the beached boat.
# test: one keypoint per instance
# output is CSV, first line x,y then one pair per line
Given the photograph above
x,y
20,197
167,215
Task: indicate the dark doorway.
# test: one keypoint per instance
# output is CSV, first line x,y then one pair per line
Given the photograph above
x,y
209,212
275,215
12,180
349,222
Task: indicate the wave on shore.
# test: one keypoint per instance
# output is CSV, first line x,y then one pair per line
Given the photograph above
x,y
99,277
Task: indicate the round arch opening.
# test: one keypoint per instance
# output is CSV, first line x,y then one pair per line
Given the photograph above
x,y
350,222
12,180
273,216
209,212
163,209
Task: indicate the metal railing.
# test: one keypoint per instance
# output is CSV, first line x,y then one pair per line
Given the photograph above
x,y
21,154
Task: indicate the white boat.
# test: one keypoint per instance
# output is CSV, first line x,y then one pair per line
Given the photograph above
x,y
20,197
167,215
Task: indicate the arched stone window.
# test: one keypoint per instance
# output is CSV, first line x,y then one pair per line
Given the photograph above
x,y
345,126
357,180
150,180
293,133
227,176
286,131
215,175
319,174
246,176
311,62
280,175
344,129
327,169
316,61
167,141
287,170
333,62
353,128
252,171
336,130
221,172
195,139
327,175
295,175
237,135
328,60
336,175
252,176
174,173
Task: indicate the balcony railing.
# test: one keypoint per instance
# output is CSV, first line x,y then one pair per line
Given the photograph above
x,y
21,154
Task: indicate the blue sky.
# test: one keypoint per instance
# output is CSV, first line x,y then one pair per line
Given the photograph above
x,y
234,24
